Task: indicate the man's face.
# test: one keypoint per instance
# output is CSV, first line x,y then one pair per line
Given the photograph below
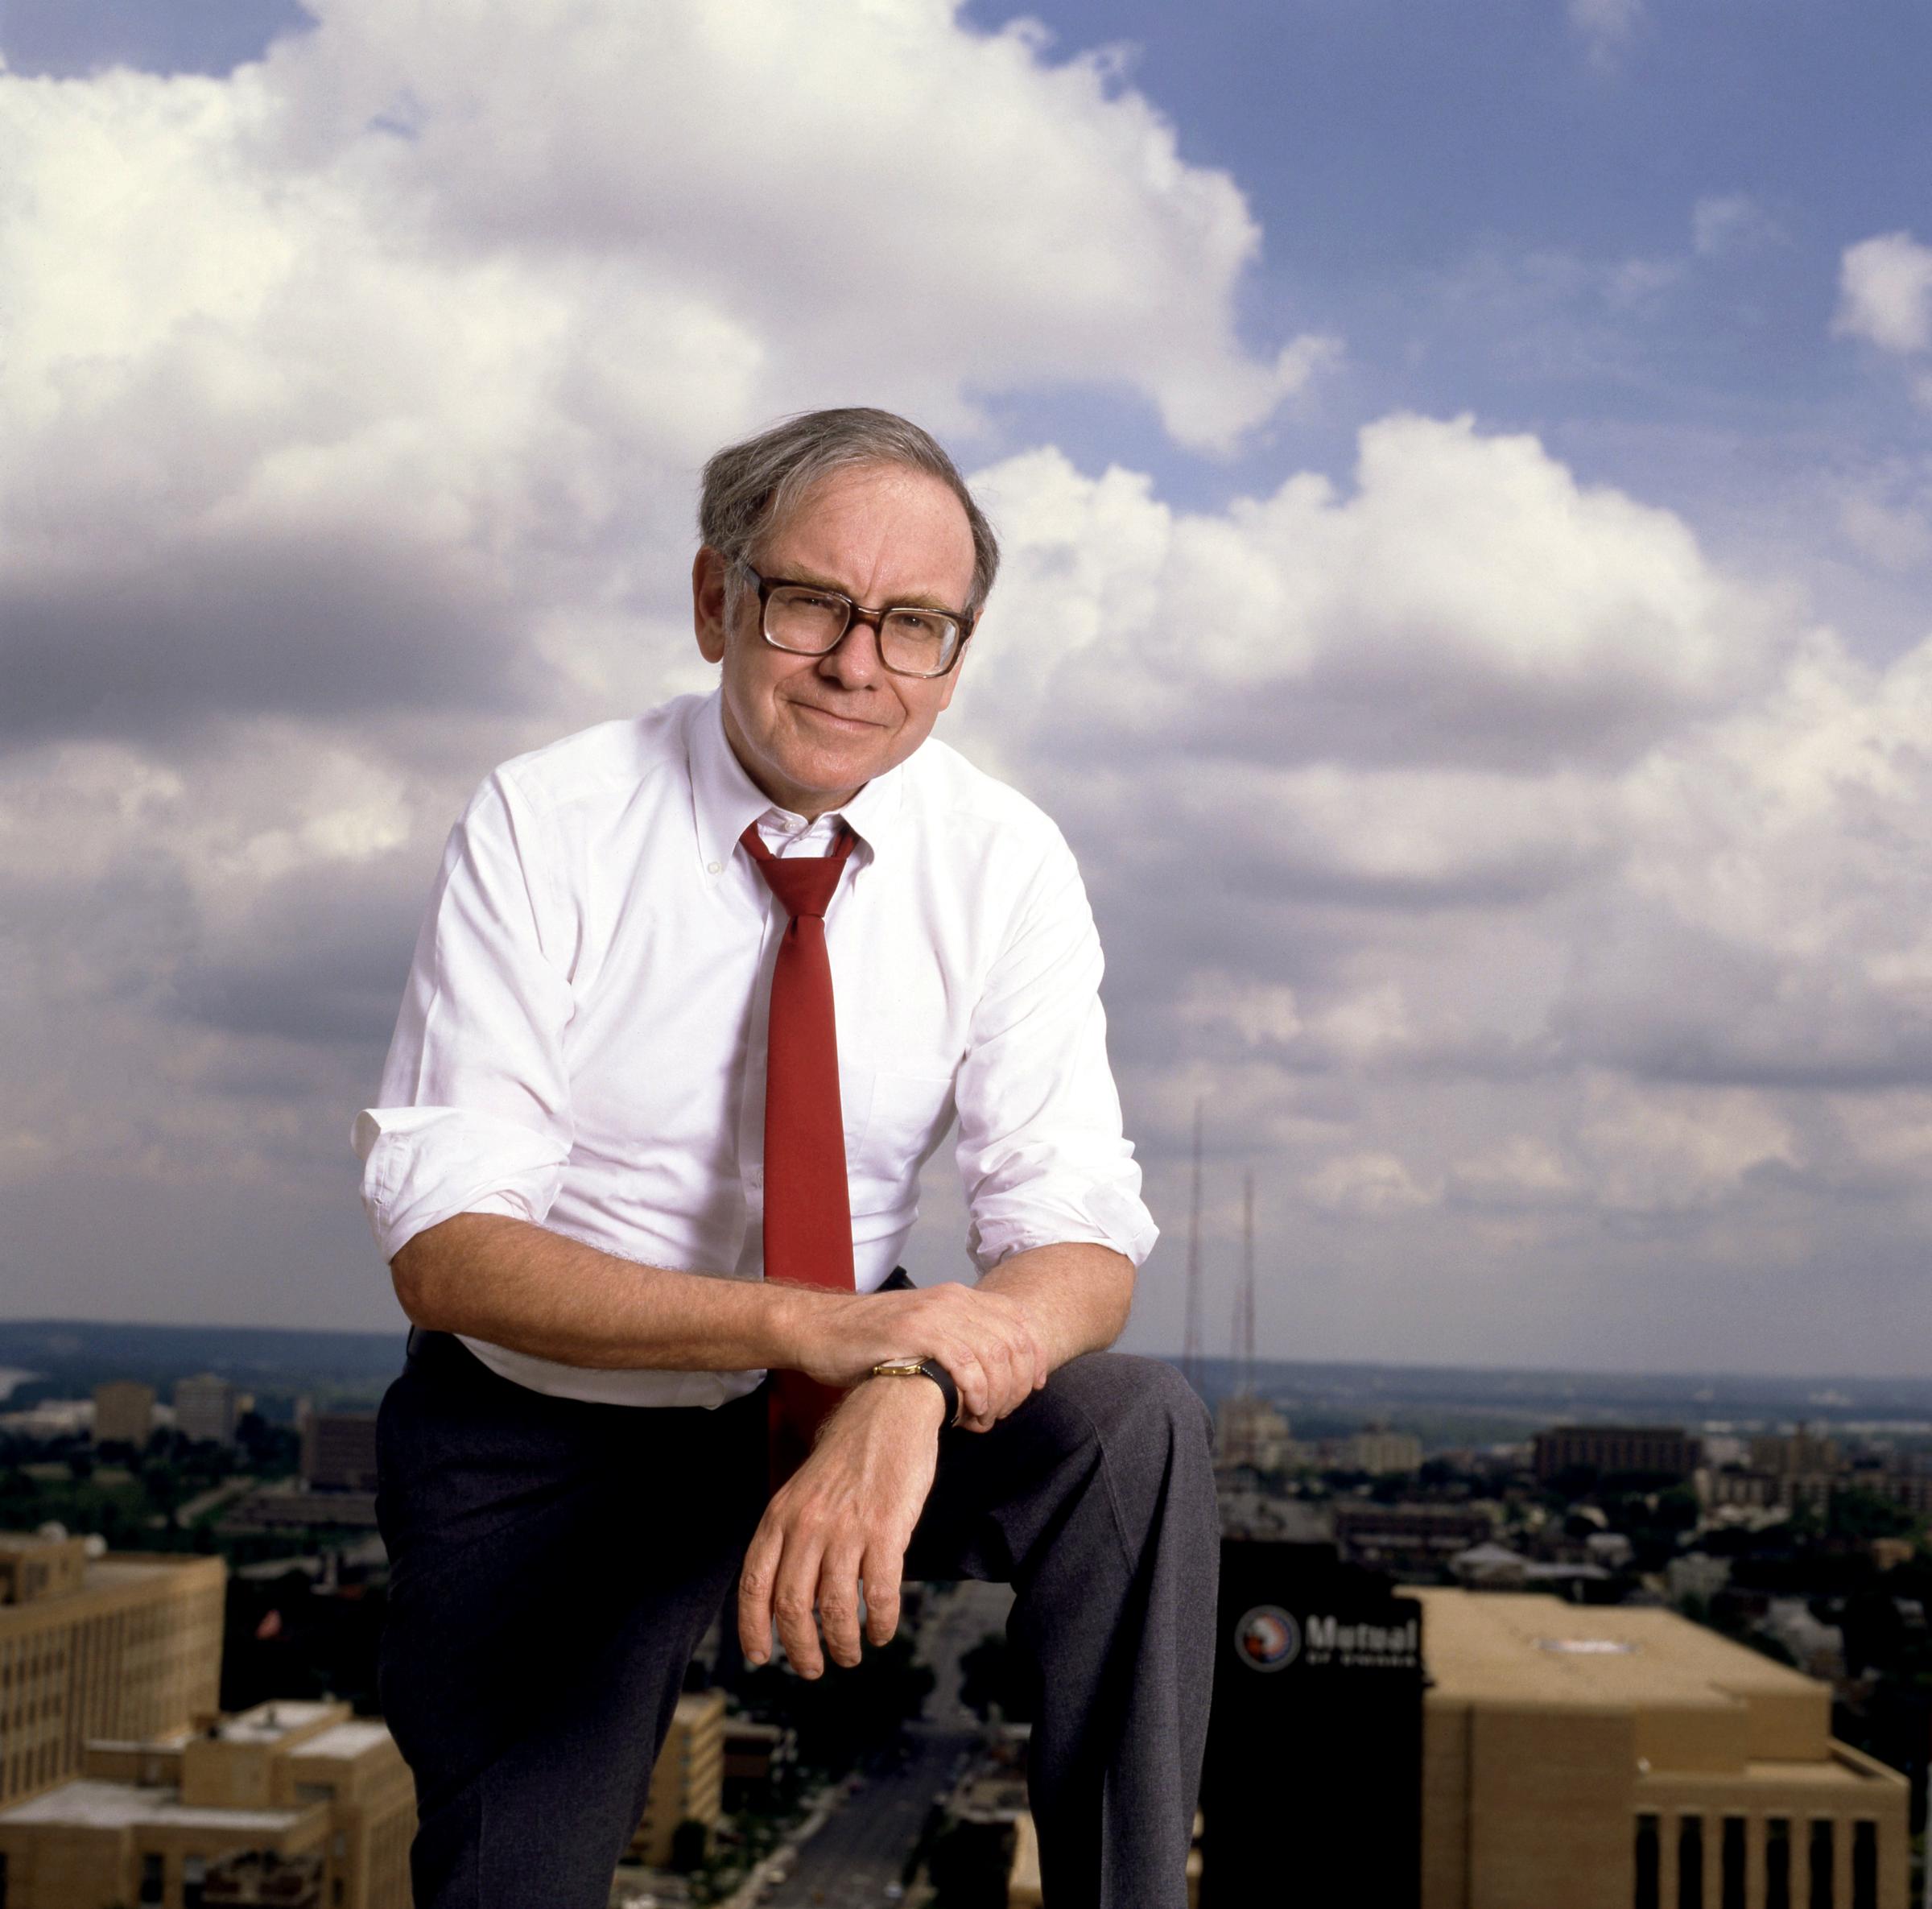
x,y
811,731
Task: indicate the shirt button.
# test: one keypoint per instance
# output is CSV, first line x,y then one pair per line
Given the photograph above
x,y
714,868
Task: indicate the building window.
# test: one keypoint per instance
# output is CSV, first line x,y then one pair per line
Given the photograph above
x,y
3,1880
1864,1866
194,1878
1733,1875
1778,1863
1646,1895
1821,1895
152,1882
1690,1862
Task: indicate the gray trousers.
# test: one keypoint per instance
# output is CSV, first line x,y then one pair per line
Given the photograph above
x,y
554,1565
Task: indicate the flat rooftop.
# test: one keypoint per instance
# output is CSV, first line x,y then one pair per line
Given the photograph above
x,y
270,1722
87,1803
1530,1648
349,1739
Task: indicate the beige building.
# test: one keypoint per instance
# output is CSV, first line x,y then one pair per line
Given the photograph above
x,y
124,1412
688,1781
1380,1451
300,1804
121,1646
1626,1759
1800,1451
1250,1431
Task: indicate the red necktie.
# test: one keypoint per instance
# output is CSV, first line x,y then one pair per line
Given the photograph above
x,y
807,1209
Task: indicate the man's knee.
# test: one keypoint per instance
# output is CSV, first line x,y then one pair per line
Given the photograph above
x,y
1139,1410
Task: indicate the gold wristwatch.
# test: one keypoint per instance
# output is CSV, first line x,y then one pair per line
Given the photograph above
x,y
929,1369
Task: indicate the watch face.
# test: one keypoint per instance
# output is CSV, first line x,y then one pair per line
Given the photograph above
x,y
898,1369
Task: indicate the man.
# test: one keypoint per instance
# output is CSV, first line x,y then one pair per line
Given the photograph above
x,y
641,1268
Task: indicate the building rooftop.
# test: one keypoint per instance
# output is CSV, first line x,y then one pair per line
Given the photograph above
x,y
349,1739
97,1805
270,1722
1536,1649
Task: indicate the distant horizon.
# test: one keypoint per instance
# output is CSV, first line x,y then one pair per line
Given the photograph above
x,y
1219,1360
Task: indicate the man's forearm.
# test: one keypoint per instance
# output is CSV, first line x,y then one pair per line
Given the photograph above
x,y
1076,1296
522,1287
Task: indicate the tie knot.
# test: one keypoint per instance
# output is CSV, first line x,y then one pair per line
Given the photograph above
x,y
804,884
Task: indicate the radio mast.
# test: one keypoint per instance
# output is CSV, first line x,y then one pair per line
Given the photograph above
x,y
1244,1298
1190,1353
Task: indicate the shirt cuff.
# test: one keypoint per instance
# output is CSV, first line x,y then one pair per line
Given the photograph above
x,y
1094,1214
424,1165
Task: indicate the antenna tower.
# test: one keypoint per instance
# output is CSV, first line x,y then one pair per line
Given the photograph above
x,y
1244,1298
1190,1353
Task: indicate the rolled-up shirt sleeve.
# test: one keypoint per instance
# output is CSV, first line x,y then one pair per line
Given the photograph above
x,y
475,1112
1041,1156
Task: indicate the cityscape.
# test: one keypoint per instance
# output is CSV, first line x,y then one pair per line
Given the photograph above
x,y
1488,1638
1462,481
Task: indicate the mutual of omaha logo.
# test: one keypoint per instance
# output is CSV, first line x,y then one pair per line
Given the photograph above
x,y
1267,1638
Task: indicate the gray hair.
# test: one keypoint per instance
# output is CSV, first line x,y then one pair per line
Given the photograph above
x,y
752,487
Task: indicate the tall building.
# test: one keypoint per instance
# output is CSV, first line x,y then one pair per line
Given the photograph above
x,y
1800,1451
1625,1758
339,1451
121,1647
299,1804
688,1781
206,1408
124,1412
1616,1451
1444,1749
1250,1431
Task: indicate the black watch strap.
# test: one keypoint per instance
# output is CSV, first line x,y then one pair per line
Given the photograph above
x,y
941,1378
929,1369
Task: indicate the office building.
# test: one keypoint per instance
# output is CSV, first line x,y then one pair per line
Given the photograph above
x,y
1626,1759
1799,1451
339,1451
206,1408
117,1646
1312,1790
124,1413
1379,1450
688,1783
1444,1749
1616,1451
1249,1431
299,1804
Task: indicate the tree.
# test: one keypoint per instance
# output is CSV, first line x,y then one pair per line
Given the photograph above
x,y
690,1844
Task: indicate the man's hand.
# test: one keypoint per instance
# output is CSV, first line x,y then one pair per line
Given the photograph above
x,y
844,1519
985,1338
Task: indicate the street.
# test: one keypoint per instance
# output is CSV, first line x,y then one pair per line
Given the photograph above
x,y
862,1849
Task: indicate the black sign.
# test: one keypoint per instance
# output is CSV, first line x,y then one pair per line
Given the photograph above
x,y
1313,1791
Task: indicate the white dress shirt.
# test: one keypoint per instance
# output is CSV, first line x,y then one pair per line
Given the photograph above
x,y
582,1040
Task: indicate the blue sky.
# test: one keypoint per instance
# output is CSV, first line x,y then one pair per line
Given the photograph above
x,y
1468,509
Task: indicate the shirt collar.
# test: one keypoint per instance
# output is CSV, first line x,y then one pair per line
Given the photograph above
x,y
724,799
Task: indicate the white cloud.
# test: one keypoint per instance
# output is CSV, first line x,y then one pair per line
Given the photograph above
x,y
1884,288
1724,223
1606,28
1368,1186
1897,536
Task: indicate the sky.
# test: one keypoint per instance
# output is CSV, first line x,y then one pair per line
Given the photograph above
x,y
1465,481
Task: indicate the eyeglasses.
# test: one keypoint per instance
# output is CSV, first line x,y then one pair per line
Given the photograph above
x,y
811,621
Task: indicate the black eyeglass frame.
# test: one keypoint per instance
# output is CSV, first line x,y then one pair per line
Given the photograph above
x,y
857,613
